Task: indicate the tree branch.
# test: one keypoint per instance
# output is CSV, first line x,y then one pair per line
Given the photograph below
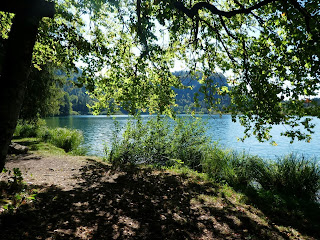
x,y
214,10
307,16
214,28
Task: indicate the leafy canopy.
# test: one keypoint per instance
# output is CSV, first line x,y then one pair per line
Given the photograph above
x,y
128,48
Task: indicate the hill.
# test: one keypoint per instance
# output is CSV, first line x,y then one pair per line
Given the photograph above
x,y
76,100
186,97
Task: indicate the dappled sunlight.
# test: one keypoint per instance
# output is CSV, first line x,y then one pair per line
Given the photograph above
x,y
138,203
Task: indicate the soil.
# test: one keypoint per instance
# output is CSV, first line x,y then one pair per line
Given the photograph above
x,y
84,198
59,171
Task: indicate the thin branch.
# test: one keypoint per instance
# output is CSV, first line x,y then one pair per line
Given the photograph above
x,y
245,61
214,28
259,19
214,10
223,23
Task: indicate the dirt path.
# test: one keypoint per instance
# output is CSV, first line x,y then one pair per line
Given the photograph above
x,y
87,199
60,171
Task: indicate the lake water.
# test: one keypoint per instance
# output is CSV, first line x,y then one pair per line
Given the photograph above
x,y
97,131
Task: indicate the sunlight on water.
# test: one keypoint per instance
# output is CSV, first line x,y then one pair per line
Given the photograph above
x,y
97,131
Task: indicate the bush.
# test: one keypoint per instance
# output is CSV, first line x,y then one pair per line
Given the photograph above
x,y
292,175
25,129
164,142
189,142
67,139
64,138
141,142
159,141
229,166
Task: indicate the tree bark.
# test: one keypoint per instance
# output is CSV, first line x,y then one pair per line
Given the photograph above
x,y
39,8
13,79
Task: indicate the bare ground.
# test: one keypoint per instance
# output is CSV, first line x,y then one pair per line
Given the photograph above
x,y
82,198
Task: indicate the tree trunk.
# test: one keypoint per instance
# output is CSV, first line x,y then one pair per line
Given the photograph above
x,y
13,79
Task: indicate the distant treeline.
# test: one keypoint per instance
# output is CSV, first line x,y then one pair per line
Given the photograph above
x,y
52,92
76,100
186,98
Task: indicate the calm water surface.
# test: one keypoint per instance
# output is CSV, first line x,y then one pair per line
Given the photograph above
x,y
97,131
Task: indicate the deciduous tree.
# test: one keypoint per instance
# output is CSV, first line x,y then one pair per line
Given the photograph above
x,y
128,48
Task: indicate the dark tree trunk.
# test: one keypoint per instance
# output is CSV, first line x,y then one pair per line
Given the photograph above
x,y
13,79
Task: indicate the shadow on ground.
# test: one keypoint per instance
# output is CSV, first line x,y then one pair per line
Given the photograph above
x,y
134,204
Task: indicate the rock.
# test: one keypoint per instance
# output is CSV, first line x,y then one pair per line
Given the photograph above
x,y
15,148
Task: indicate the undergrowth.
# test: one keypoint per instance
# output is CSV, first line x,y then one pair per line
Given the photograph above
x,y
184,144
14,192
68,139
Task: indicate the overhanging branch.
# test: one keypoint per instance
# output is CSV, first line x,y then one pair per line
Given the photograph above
x,y
214,10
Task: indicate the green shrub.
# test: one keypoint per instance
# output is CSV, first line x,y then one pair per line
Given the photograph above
x,y
158,141
141,142
229,166
164,142
67,139
25,129
292,175
189,142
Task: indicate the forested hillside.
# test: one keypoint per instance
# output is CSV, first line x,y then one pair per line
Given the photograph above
x,y
186,97
76,100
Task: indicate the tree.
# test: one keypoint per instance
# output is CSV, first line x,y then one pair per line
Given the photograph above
x,y
59,40
43,94
128,48
271,48
16,64
66,106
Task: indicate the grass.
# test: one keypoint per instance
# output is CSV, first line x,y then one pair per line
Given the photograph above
x,y
148,202
68,139
36,145
185,144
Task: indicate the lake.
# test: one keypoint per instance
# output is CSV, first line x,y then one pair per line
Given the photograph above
x,y
97,131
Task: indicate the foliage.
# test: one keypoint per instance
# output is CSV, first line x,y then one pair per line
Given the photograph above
x,y
29,128
14,192
183,143
189,142
79,99
271,47
43,95
127,50
68,139
291,175
159,141
64,138
192,99
66,105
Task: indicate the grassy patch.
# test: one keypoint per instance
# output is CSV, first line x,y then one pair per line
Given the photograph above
x,y
68,139
38,146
